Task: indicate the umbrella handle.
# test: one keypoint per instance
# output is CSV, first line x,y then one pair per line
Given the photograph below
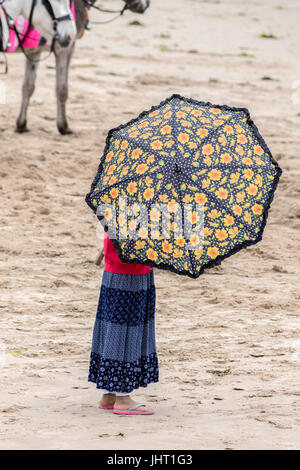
x,y
100,257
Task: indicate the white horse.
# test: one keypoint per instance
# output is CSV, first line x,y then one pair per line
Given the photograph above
x,y
62,55
52,18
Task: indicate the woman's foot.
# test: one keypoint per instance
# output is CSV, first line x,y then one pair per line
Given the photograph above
x,y
107,401
126,403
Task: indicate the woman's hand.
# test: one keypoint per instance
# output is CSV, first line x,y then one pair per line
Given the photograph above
x,y
100,257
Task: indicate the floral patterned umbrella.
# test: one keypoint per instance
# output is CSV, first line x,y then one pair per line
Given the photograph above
x,y
184,185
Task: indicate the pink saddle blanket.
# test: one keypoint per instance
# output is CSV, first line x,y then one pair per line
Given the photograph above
x,y
33,39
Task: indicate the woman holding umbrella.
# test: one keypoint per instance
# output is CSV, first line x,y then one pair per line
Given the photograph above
x,y
209,168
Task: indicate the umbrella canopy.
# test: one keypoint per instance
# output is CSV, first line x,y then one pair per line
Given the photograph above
x,y
184,185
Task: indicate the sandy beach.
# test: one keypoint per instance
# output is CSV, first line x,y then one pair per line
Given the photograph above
x,y
228,343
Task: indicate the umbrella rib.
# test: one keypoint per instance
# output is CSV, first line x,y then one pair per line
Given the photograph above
x,y
192,260
126,180
230,166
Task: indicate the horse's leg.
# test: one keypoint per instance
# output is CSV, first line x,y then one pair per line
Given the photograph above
x,y
63,58
27,90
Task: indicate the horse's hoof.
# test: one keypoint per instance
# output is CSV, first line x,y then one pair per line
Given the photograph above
x,y
21,129
65,130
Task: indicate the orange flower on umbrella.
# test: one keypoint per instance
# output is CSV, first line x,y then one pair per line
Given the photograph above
x,y
215,175
215,110
183,138
228,220
133,134
213,252
193,217
114,192
226,158
141,169
229,130
180,242
248,174
200,198
202,132
148,194
105,199
237,210
169,143
187,198
222,193
163,198
192,145
221,234
233,232
166,130
111,169
207,149
157,145
186,123
247,217
207,161
108,214
242,139
240,150
155,214
252,190
150,159
152,255
140,244
258,150
173,206
109,156
196,112
234,177
132,188
205,183
124,171
257,209
146,135
136,153
247,161
112,180
194,240
167,247
154,113
222,139
258,180
240,196
124,145
178,253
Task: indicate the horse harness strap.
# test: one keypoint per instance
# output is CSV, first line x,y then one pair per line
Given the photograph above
x,y
55,19
91,4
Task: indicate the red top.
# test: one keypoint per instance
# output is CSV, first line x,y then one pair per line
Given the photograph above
x,y
113,264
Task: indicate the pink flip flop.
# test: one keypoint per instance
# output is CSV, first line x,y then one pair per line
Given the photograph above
x,y
133,411
101,407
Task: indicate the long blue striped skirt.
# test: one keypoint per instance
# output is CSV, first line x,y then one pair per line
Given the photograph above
x,y
123,356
